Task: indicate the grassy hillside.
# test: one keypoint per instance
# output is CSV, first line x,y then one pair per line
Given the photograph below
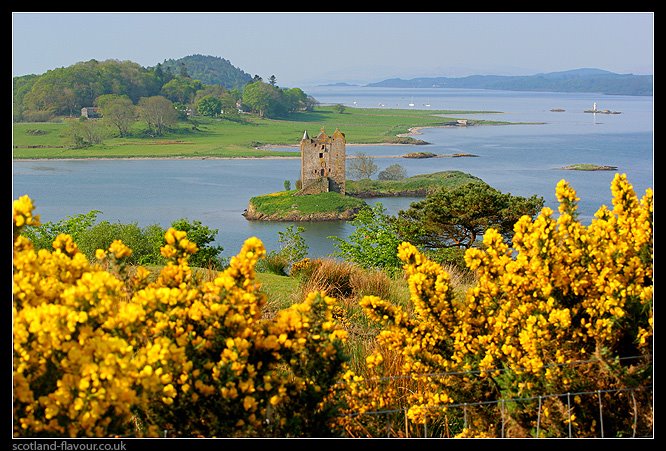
x,y
244,137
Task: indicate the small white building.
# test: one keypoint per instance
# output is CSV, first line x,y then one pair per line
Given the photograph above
x,y
90,112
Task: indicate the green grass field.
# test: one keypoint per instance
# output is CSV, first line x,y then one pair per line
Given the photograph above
x,y
208,137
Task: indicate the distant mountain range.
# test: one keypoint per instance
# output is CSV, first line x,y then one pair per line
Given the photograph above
x,y
577,80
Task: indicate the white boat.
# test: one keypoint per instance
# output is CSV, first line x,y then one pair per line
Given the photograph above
x,y
412,102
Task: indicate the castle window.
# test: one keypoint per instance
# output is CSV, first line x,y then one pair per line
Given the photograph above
x,y
321,172
321,155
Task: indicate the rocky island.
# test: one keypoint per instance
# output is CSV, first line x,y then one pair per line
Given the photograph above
x,y
589,167
332,206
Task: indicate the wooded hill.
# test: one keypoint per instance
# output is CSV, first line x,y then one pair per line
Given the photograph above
x,y
65,90
209,70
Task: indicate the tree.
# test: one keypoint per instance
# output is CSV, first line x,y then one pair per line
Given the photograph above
x,y
209,106
67,89
457,217
287,185
362,166
339,108
181,89
292,244
295,99
159,73
310,103
20,87
84,133
117,110
374,241
263,99
392,172
272,80
43,235
183,70
158,112
210,90
292,249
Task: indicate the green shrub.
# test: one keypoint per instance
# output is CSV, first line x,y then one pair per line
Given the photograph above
x,y
42,236
208,255
100,236
373,243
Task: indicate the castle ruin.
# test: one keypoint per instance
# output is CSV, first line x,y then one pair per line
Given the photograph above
x,y
323,161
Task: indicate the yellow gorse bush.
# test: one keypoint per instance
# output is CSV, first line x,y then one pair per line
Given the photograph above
x,y
100,350
566,308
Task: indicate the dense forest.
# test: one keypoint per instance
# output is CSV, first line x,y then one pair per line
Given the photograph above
x,y
197,84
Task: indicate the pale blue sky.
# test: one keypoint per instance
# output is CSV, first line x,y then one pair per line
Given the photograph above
x,y
303,49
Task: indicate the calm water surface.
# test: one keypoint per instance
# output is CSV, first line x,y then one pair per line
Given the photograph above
x,y
518,159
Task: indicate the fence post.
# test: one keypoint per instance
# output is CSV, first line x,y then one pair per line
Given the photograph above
x,y
538,417
502,411
633,399
569,411
406,424
601,416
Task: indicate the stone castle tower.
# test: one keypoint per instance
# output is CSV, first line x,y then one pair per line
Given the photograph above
x,y
323,161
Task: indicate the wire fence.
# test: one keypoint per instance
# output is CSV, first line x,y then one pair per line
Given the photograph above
x,y
501,404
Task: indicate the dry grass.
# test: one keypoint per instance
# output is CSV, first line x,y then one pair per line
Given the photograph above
x,y
348,283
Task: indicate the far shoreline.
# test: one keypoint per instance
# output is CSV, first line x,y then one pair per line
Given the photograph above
x,y
212,157
412,132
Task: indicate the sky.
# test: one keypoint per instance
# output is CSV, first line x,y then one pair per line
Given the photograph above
x,y
305,49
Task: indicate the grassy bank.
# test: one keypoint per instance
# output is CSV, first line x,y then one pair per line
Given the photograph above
x,y
418,185
241,137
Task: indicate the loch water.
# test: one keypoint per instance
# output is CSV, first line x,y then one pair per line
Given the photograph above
x,y
521,159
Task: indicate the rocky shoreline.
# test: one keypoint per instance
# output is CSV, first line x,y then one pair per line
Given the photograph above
x,y
251,214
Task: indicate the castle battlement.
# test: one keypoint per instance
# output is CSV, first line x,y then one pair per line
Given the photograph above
x,y
323,161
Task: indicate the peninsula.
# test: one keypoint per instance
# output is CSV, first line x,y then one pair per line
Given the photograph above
x,y
241,137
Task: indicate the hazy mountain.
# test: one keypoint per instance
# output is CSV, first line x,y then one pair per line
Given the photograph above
x,y
577,80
